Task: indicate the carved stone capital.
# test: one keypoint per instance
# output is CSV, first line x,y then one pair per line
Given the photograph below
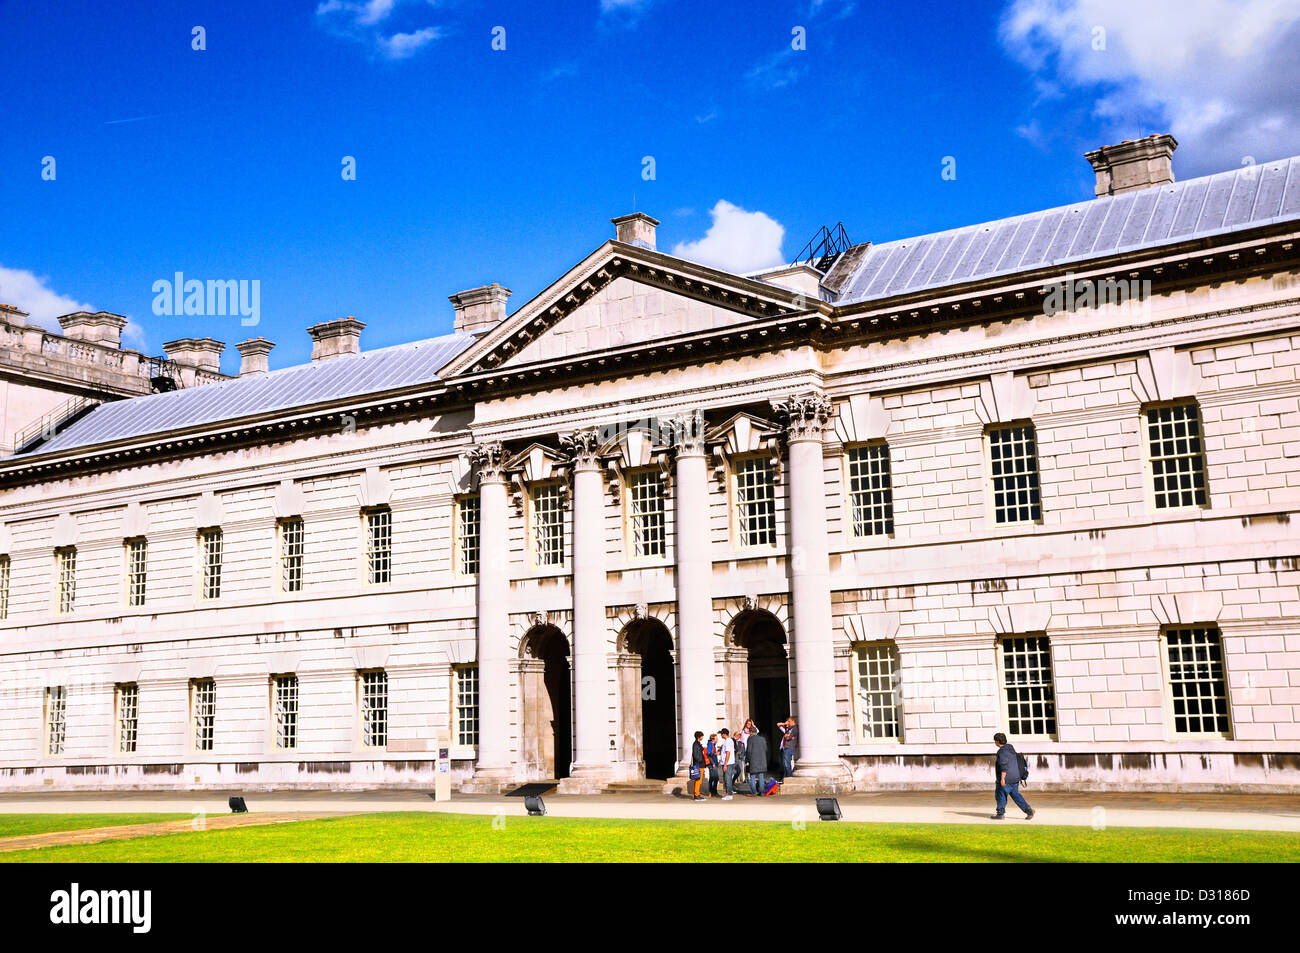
x,y
582,447
686,433
489,459
804,416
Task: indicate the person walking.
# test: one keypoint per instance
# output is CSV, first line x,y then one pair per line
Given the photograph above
x,y
789,738
1006,778
711,755
727,764
756,758
697,766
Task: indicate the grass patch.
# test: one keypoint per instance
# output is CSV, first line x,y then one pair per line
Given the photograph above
x,y
20,825
429,837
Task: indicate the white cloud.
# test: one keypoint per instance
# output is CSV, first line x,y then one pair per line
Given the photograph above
x,y
1220,75
738,241
44,305
399,46
624,6
779,70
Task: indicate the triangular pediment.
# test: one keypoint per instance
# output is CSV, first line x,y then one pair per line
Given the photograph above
x,y
618,298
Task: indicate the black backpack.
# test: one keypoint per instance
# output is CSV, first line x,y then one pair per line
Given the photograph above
x,y
1024,767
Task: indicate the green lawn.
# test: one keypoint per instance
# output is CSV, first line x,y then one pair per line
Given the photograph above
x,y
18,825
425,837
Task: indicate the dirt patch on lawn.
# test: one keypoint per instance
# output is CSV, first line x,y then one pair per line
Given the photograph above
x,y
96,834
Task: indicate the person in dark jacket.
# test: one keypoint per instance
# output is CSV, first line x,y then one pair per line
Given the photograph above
x,y
789,741
1006,779
756,762
698,765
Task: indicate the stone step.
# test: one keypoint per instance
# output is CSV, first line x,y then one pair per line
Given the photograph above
x,y
635,787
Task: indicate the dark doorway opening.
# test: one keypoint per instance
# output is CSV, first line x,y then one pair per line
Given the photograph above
x,y
769,677
652,642
554,652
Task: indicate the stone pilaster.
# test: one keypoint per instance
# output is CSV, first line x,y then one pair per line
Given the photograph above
x,y
591,761
493,769
806,417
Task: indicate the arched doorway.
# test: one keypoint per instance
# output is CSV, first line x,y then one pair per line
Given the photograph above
x,y
649,639
547,689
767,681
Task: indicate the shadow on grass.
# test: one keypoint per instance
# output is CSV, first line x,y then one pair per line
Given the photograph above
x,y
937,851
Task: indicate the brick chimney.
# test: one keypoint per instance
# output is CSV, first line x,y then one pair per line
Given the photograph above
x,y
13,316
480,309
1134,164
203,353
337,338
635,229
102,327
252,356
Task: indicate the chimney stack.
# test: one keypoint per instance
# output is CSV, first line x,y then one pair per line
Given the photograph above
x,y
479,310
338,338
252,356
102,327
13,316
1134,164
203,353
635,229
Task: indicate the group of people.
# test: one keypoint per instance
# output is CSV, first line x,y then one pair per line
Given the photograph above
x,y
740,759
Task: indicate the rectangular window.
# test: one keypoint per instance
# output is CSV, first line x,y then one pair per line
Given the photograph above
x,y
467,535
210,542
548,525
379,546
374,709
128,717
285,710
1027,681
871,493
1013,459
291,549
1177,456
56,714
645,511
877,694
203,709
137,559
4,588
1197,681
65,562
467,705
755,502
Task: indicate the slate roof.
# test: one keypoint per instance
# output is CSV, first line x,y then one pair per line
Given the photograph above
x,y
1147,218
370,372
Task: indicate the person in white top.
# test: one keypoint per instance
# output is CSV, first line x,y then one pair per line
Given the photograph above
x,y
727,763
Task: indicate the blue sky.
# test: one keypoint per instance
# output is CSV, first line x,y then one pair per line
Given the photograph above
x,y
477,165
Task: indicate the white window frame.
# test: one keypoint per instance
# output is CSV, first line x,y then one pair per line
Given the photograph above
x,y
850,508
286,709
737,465
1004,693
292,563
377,553
65,580
203,705
551,489
1149,462
1166,673
856,658
136,555
990,478
126,703
633,519
212,552
4,587
465,687
467,535
367,680
55,721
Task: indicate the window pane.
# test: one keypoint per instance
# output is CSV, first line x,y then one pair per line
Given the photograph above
x,y
467,705
877,671
379,546
56,710
204,700
548,526
1027,680
286,711
292,540
646,513
137,557
871,494
4,587
1177,457
374,709
1197,681
755,502
67,578
128,711
211,543
1013,461
467,533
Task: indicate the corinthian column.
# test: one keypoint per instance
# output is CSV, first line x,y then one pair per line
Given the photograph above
x,y
591,764
493,767
694,580
805,417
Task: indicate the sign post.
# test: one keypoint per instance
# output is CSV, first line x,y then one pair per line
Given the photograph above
x,y
442,767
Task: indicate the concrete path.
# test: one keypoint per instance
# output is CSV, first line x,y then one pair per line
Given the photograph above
x,y
1211,811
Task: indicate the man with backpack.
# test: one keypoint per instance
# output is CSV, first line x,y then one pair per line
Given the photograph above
x,y
756,759
1009,770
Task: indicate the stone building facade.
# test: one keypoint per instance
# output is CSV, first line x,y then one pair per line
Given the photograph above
x,y
1033,476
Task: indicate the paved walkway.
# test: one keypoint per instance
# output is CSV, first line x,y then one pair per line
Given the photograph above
x,y
1212,811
